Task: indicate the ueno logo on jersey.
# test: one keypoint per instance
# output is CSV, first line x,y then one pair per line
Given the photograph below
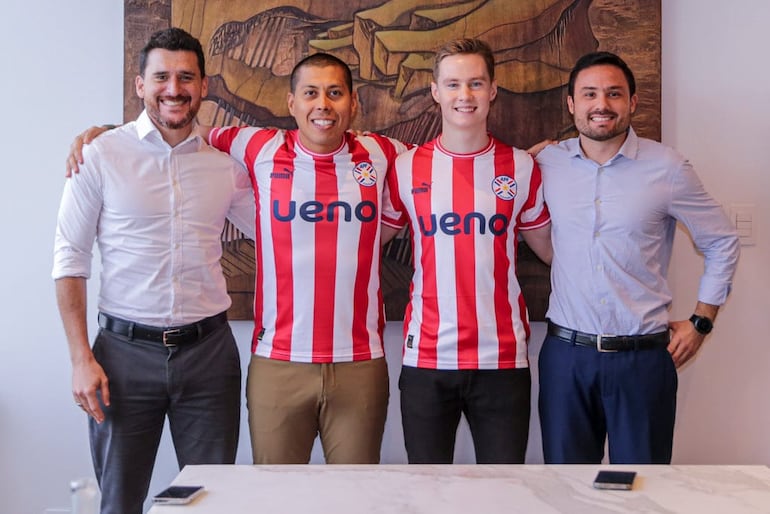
x,y
365,174
504,187
315,211
453,223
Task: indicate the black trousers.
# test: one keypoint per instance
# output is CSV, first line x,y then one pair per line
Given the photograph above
x,y
196,385
496,404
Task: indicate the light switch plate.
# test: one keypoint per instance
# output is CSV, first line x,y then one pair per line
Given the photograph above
x,y
743,217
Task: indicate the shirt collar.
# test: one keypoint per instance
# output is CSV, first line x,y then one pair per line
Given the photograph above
x,y
145,127
630,147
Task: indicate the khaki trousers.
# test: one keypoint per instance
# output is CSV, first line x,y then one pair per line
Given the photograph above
x,y
291,402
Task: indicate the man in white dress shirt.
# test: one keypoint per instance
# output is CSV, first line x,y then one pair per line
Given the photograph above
x,y
155,197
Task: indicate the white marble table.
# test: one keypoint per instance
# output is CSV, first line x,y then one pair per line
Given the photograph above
x,y
471,489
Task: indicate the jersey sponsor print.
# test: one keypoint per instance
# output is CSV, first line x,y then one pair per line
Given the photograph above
x,y
317,292
466,310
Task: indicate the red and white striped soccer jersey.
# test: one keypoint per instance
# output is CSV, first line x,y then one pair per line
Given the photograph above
x,y
317,293
466,309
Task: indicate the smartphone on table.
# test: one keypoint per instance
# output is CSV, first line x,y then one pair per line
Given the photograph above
x,y
178,494
619,480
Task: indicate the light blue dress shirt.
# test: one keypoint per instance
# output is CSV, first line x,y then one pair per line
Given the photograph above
x,y
613,229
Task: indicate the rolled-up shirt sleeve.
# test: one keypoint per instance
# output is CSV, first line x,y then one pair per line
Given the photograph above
x,y
77,222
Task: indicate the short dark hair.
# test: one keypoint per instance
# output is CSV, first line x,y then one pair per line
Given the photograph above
x,y
322,60
172,39
465,46
598,59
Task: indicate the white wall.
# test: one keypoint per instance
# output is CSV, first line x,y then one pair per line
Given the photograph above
x,y
62,63
63,67
716,111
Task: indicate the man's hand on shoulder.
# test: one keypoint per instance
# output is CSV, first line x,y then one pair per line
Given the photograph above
x,y
75,157
537,148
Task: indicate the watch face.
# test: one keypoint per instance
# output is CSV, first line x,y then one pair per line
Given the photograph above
x,y
702,324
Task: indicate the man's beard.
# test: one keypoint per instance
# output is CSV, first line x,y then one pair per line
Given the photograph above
x,y
172,124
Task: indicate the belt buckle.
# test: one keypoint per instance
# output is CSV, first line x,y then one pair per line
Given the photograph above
x,y
167,333
599,343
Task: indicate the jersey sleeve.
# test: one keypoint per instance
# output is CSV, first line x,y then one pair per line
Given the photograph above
x,y
242,143
222,138
393,212
535,213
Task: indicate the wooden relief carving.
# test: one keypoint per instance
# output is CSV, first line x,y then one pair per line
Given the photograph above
x,y
252,46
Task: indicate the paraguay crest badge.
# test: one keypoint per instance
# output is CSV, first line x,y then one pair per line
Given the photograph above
x,y
365,174
504,187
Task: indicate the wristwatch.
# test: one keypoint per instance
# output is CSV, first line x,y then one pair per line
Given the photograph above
x,y
702,324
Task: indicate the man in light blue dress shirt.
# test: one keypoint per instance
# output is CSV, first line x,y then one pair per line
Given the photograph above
x,y
608,367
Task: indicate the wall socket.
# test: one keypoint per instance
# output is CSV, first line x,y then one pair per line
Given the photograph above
x,y
743,217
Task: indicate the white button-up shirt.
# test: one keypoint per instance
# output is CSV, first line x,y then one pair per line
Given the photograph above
x,y
157,215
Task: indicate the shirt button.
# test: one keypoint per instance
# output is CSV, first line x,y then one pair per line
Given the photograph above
x,y
596,234
603,301
598,202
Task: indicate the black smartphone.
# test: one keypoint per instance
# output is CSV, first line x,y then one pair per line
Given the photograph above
x,y
621,480
178,494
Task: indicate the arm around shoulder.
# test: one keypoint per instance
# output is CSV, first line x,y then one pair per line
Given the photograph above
x,y
75,157
539,240
387,233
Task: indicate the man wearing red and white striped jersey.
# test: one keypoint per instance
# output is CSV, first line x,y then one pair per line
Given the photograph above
x,y
318,363
466,197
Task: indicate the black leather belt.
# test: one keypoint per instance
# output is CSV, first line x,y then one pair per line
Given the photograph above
x,y
610,343
168,336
